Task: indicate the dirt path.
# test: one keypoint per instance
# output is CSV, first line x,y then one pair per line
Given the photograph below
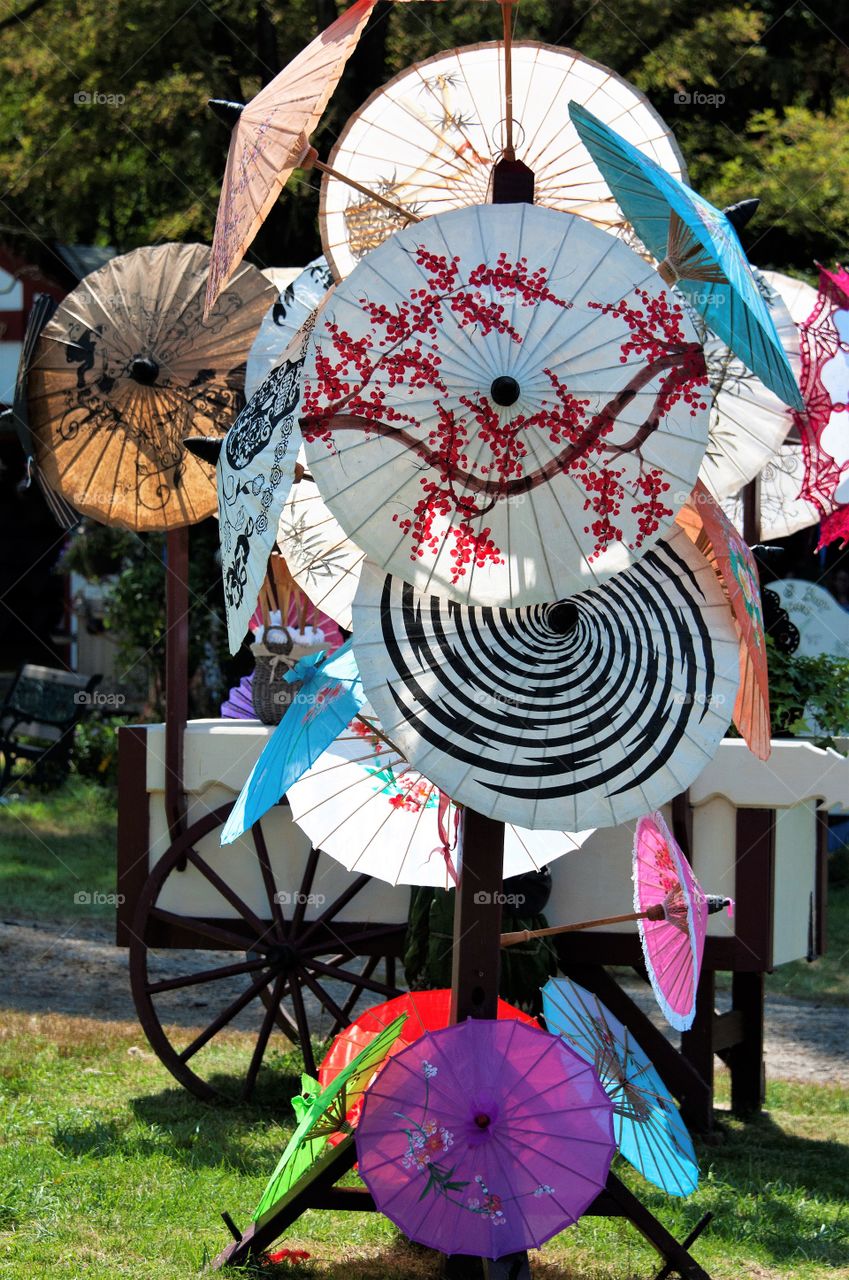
x,y
64,968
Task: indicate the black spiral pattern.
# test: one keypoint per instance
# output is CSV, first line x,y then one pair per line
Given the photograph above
x,y
581,713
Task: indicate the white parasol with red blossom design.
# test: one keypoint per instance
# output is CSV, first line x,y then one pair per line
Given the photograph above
x,y
504,405
363,804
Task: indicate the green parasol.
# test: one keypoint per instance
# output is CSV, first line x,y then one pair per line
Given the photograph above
x,y
322,1113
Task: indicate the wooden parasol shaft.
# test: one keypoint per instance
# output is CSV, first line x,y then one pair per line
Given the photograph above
x,y
507,16
176,673
313,162
526,935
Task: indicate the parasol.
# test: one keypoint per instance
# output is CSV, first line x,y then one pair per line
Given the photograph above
x,y
673,945
780,510
697,249
580,713
43,307
256,468
430,138
328,695
491,375
321,557
270,139
284,318
706,524
825,385
322,1113
485,1138
647,1128
748,422
424,1011
126,370
366,807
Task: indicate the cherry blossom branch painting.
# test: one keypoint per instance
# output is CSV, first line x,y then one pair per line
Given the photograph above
x,y
477,449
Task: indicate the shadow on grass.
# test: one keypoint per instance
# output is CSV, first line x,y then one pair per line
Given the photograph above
x,y
173,1122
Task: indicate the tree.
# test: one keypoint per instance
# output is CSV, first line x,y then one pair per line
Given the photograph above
x,y
142,162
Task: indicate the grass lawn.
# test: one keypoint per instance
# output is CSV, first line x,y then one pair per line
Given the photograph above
x,y
56,845
109,1170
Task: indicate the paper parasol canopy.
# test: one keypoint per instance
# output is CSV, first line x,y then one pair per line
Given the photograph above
x,y
428,140
697,249
647,1128
126,370
283,319
780,508
271,138
485,1138
706,524
492,375
362,804
581,713
255,470
673,945
748,422
321,557
322,1114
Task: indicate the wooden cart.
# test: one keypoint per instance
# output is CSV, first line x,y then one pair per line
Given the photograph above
x,y
267,935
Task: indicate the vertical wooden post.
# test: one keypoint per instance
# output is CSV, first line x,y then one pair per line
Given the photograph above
x,y
476,961
746,1059
176,673
475,967
697,1049
752,512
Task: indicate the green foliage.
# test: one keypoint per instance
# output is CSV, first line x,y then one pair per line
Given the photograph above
x,y
95,550
135,614
808,696
95,752
146,164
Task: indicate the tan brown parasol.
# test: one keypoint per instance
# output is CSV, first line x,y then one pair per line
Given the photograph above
x,y
126,369
271,138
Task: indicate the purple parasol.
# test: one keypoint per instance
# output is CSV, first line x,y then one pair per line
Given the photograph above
x,y
485,1138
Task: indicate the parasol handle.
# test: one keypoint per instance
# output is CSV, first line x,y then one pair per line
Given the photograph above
x,y
507,18
527,935
311,161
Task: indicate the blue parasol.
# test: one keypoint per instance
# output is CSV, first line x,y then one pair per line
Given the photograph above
x,y
329,696
697,250
648,1130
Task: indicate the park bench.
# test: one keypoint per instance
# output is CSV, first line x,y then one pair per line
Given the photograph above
x,y
39,714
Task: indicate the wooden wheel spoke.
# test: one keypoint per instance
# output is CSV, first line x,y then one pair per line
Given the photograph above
x,y
336,906
306,889
349,941
368,969
260,927
324,997
227,1015
268,881
206,929
205,975
302,1023
264,1035
361,980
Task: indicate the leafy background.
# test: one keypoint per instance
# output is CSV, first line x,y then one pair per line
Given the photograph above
x,y
149,168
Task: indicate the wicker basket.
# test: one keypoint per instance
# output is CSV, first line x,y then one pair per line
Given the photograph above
x,y
272,693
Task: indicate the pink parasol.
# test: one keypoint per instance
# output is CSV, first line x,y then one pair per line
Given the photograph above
x,y
485,1138
824,348
673,945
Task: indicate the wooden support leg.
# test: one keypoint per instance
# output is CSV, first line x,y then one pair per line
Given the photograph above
x,y
655,1232
746,1059
697,1049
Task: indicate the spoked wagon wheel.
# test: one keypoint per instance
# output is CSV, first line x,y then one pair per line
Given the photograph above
x,y
293,975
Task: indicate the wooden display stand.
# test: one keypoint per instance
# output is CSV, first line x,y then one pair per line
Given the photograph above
x,y
474,993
